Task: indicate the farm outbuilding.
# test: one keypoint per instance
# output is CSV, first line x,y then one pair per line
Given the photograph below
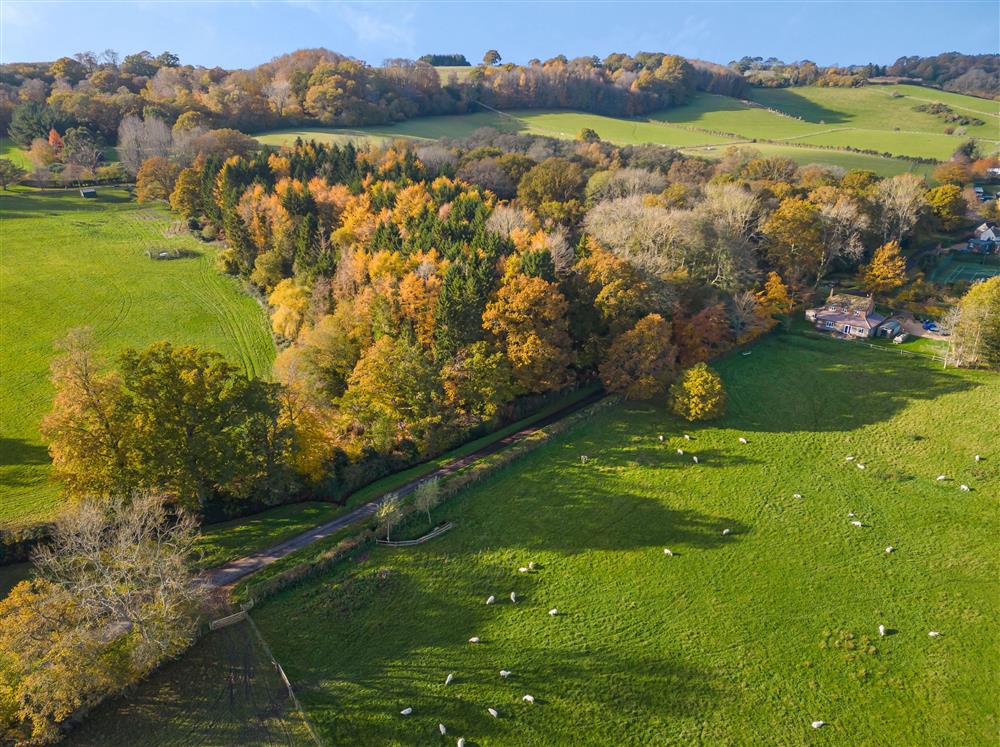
x,y
88,192
848,314
889,329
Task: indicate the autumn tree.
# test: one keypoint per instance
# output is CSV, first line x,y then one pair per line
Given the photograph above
x,y
389,513
975,340
88,428
393,393
774,299
641,362
901,202
699,395
947,205
528,320
155,179
553,189
186,197
10,173
289,302
476,381
700,336
115,595
887,270
427,496
492,57
794,238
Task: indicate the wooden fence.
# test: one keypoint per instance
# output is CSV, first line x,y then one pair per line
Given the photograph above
x,y
436,532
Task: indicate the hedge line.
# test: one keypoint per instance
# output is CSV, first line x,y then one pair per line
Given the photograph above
x,y
450,487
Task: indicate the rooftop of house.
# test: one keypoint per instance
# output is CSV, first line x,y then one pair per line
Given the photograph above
x,y
849,303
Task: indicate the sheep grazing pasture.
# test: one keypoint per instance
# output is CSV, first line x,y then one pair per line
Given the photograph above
x,y
681,452
941,477
442,729
493,712
881,631
668,551
461,742
406,711
553,612
762,621
964,488
695,458
449,678
743,440
513,597
474,639
818,724
528,699
490,599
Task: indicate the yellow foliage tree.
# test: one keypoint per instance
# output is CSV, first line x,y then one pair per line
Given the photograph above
x,y
155,179
641,361
887,270
699,395
528,318
290,303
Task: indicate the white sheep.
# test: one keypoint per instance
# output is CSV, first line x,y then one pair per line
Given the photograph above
x,y
934,634
553,612
442,729
668,551
522,569
850,514
881,631
687,437
490,599
797,495
461,742
449,678
513,598
583,459
531,565
743,440
695,458
474,639
978,458
504,673
492,712
942,477
857,524
406,712
890,549
964,488
849,458
860,466
661,439
818,724
726,532
681,452
528,699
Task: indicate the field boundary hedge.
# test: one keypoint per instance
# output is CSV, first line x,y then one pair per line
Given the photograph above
x,y
450,487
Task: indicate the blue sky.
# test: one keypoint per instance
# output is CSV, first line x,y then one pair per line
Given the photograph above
x,y
243,34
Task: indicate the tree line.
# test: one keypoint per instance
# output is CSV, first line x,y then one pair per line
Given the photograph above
x,y
420,292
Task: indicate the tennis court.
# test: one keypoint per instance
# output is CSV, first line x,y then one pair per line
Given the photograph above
x,y
969,268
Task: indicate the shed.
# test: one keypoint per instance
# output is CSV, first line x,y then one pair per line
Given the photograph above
x,y
889,329
88,192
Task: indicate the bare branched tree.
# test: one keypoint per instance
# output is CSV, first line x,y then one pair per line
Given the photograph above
x,y
127,564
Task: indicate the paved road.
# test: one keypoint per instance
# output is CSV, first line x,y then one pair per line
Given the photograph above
x,y
228,574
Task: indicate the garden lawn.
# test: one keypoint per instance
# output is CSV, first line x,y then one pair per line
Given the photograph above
x,y
70,262
737,639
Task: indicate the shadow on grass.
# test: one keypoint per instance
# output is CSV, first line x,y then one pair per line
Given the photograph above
x,y
791,102
223,691
827,385
17,451
368,662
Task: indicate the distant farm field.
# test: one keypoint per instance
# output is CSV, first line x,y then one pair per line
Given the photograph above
x,y
831,120
743,637
69,262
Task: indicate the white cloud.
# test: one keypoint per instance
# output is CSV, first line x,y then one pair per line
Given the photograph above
x,y
379,24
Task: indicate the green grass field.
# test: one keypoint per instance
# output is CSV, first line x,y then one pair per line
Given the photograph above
x,y
70,262
867,118
10,151
223,692
737,639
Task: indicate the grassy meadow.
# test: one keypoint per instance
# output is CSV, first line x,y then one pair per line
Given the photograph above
x,y
795,118
737,639
69,262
